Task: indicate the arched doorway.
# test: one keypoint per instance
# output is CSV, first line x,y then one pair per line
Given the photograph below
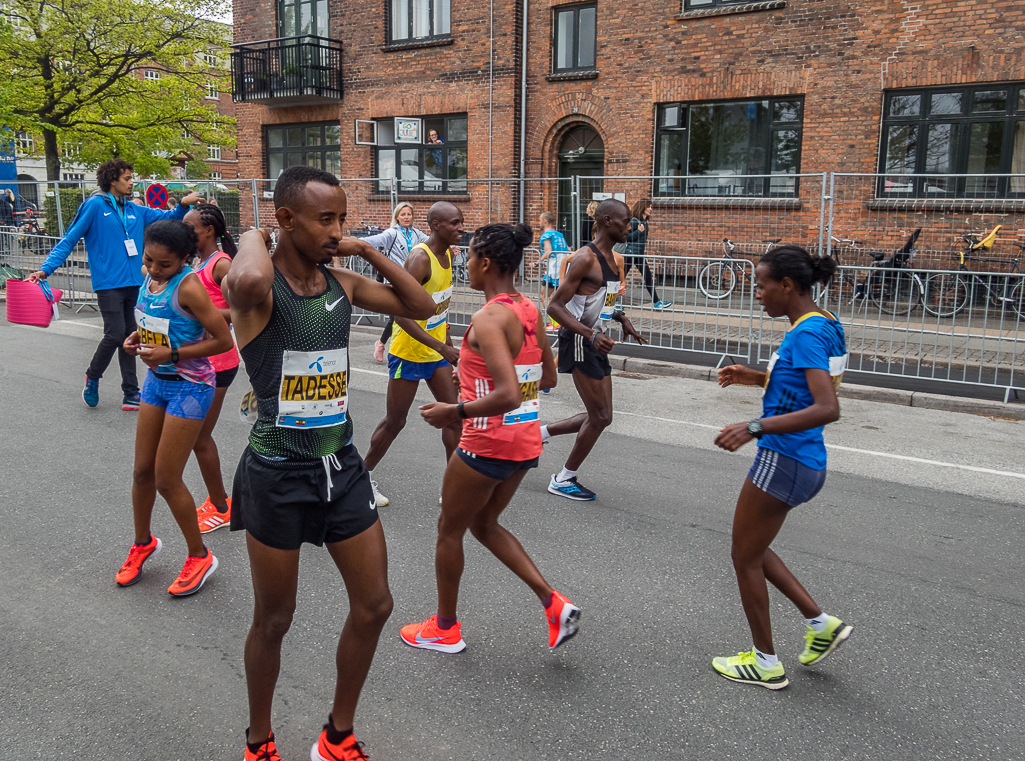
x,y
581,152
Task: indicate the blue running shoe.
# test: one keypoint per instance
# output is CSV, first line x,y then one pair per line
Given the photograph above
x,y
571,490
131,402
91,392
663,304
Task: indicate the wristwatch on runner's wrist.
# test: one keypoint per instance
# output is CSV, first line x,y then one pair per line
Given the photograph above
x,y
174,356
755,428
462,414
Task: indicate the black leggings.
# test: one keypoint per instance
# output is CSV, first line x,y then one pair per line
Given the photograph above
x,y
386,333
640,263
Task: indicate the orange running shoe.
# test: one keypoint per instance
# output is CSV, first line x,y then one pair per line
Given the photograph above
x,y
131,571
427,636
211,520
349,749
563,619
265,751
194,574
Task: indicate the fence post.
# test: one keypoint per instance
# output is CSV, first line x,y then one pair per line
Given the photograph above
x,y
574,200
829,223
256,205
60,216
393,191
822,212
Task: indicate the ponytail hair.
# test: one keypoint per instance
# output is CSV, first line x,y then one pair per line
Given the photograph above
x,y
801,267
212,216
503,244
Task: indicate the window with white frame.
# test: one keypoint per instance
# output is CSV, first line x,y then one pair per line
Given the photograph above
x,y
437,163
210,59
419,19
74,176
212,92
152,75
24,144
213,152
216,176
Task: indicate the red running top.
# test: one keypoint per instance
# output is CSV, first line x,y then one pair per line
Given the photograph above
x,y
516,435
230,358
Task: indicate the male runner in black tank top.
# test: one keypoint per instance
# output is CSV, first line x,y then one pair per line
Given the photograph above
x,y
585,295
300,479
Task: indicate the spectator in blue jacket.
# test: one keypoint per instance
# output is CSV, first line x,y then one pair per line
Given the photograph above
x,y
112,227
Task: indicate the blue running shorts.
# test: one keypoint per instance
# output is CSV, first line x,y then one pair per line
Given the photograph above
x,y
403,369
785,478
179,397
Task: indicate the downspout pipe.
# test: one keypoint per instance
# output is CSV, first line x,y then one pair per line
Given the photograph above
x,y
523,117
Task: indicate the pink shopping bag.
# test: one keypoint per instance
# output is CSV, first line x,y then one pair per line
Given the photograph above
x,y
31,303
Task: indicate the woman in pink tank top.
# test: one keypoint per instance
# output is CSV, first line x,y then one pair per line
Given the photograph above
x,y
502,366
216,249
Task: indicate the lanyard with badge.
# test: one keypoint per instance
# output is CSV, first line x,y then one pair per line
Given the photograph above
x,y
122,216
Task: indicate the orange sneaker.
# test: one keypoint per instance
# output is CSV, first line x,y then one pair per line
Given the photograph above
x,y
563,620
349,749
210,519
427,636
194,574
131,571
265,751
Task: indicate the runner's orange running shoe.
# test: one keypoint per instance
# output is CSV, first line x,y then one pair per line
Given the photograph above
x,y
211,520
349,749
265,751
563,620
427,636
194,574
131,571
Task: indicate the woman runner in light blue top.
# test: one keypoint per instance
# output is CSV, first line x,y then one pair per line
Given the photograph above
x,y
790,467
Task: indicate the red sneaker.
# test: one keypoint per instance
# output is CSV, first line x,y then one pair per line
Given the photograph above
x,y
211,520
194,574
427,636
265,751
131,571
348,749
563,620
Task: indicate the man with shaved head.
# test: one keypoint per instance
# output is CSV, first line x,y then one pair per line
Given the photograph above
x,y
583,305
422,349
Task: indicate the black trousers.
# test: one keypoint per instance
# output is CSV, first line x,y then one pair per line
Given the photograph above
x,y
640,263
386,333
117,307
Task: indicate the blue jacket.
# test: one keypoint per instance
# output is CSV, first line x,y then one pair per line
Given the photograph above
x,y
99,222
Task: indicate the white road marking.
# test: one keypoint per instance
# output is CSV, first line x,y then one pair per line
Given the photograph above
x,y
872,452
87,324
369,372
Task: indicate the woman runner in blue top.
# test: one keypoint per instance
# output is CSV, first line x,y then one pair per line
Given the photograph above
x,y
179,328
790,467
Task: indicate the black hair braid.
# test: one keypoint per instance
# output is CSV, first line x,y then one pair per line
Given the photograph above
x,y
801,267
503,244
177,237
212,216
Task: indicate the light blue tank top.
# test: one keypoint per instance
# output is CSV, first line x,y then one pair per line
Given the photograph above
x,y
163,321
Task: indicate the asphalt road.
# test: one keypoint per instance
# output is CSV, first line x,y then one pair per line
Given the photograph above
x,y
924,559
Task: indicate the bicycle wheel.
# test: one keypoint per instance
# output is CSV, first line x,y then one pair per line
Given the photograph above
x,y
945,294
1018,299
717,280
896,291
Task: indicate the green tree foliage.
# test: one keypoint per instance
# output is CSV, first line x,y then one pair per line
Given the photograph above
x,y
75,74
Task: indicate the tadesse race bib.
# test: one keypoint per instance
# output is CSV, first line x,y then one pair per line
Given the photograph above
x,y
314,388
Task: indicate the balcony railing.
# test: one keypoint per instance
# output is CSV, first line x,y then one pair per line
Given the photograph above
x,y
289,71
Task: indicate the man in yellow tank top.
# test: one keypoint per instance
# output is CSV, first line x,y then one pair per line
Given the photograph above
x,y
422,349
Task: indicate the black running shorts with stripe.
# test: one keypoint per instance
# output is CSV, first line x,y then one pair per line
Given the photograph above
x,y
577,353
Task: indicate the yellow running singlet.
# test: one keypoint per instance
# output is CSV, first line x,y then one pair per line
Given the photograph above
x,y
439,287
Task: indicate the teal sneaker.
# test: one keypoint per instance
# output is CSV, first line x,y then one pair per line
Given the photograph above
x,y
817,645
91,392
743,667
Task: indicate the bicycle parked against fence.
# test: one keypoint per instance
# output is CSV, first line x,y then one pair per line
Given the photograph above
x,y
888,283
947,294
717,280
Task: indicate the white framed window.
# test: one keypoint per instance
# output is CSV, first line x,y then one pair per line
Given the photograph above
x,y
210,58
152,75
419,19
24,144
212,92
213,152
216,176
74,176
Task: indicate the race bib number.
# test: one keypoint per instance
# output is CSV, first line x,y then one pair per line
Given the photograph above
x,y
529,377
441,302
248,410
314,388
837,367
153,330
611,295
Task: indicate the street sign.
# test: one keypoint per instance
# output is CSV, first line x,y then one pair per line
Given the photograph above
x,y
156,196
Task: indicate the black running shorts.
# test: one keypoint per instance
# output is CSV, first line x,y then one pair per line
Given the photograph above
x,y
577,353
286,503
494,467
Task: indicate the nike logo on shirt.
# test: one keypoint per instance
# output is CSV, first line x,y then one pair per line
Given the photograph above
x,y
107,213
332,305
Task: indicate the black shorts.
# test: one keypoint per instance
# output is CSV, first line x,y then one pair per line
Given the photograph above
x,y
284,504
577,353
223,378
495,467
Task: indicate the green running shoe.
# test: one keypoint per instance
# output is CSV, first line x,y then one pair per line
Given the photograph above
x,y
743,667
817,645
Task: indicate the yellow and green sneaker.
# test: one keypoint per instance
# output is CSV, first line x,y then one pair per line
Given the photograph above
x,y
743,667
817,645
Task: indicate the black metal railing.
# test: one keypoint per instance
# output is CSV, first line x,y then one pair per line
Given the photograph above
x,y
287,71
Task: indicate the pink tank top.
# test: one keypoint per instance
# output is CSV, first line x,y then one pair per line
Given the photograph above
x,y
229,359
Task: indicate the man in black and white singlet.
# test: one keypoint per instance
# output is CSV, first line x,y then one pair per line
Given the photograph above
x,y
583,305
301,479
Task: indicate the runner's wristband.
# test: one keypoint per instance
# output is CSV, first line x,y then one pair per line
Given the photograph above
x,y
462,412
593,334
174,356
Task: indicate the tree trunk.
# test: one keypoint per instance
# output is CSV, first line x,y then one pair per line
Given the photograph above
x,y
53,158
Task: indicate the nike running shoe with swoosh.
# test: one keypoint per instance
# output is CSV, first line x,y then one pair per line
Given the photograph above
x,y
563,620
571,489
349,749
744,668
131,571
817,645
265,751
194,574
379,499
427,636
210,519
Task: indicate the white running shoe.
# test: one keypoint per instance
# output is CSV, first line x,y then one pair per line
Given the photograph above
x,y
379,499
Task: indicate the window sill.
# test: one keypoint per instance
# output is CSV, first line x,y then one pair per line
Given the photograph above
x,y
452,197
569,76
433,42
947,204
729,10
726,202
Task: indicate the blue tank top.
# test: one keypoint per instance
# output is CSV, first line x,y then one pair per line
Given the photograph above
x,y
163,321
